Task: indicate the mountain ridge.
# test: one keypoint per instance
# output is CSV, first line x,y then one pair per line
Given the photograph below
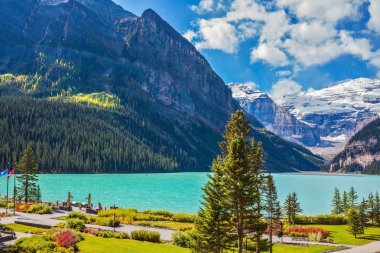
x,y
66,52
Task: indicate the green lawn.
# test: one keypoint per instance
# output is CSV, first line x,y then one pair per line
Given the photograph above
x,y
340,234
25,229
93,244
281,248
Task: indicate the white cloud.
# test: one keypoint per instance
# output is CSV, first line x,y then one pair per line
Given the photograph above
x,y
297,33
216,33
284,73
270,54
251,84
190,35
204,6
359,47
374,11
283,88
330,11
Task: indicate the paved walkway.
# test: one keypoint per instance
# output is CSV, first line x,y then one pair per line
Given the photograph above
x,y
50,220
373,247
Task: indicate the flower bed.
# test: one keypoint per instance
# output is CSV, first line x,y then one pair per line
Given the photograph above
x,y
306,232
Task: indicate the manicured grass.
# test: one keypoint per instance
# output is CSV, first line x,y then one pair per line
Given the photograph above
x,y
92,244
283,248
340,234
24,228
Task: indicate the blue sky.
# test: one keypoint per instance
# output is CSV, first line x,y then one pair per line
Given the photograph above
x,y
287,44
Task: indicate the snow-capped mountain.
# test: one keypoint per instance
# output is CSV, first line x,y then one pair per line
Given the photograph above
x,y
339,111
275,118
324,120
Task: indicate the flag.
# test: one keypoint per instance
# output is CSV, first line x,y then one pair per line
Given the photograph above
x,y
11,173
5,172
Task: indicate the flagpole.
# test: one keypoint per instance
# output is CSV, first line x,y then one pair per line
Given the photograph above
x,y
6,208
14,192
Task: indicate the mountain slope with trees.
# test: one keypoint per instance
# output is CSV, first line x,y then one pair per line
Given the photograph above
x,y
134,79
362,153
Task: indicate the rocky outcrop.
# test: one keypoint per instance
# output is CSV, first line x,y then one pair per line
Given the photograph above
x,y
275,118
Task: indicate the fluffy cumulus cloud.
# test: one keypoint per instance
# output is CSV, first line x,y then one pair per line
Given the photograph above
x,y
216,33
269,53
284,87
374,11
295,33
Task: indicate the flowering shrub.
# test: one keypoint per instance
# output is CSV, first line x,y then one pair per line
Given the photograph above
x,y
22,208
306,231
66,238
40,209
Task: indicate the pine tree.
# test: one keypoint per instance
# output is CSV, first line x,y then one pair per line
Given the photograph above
x,y
352,198
337,203
355,226
27,170
243,181
272,208
292,207
213,223
377,208
345,202
362,213
371,207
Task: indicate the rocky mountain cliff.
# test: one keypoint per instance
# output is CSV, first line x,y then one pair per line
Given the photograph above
x,y
95,52
275,118
339,111
362,153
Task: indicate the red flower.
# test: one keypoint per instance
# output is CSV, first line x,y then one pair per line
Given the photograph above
x,y
65,238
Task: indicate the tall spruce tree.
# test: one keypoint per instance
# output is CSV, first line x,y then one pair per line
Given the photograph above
x,y
292,207
27,176
337,203
355,225
345,204
242,178
371,207
352,198
362,213
377,208
213,223
272,208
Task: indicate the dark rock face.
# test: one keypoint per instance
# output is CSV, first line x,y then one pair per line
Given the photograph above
x,y
275,118
94,45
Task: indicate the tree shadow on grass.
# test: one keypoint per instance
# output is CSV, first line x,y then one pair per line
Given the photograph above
x,y
372,237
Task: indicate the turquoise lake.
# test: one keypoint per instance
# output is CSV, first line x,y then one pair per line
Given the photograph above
x,y
181,192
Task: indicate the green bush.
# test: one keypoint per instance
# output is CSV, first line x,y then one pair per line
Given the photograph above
x,y
324,219
40,209
159,212
76,224
184,217
107,221
122,213
77,215
145,235
150,217
183,239
34,244
3,203
110,234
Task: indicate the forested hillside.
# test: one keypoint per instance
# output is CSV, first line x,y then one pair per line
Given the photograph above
x,y
362,153
72,138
